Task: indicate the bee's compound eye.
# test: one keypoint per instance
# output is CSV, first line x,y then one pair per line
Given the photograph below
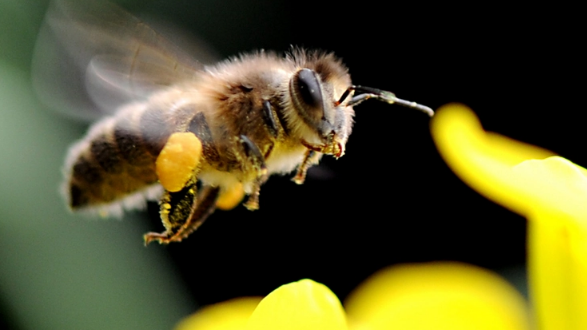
x,y
307,88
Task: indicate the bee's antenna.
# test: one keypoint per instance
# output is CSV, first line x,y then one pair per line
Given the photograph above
x,y
381,95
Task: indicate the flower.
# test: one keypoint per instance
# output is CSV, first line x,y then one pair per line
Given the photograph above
x,y
441,295
549,190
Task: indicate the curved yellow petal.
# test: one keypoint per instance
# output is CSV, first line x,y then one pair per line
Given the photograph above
x,y
550,191
229,315
483,160
555,183
441,295
299,305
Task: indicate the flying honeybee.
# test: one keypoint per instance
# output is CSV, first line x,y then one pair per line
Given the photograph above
x,y
197,137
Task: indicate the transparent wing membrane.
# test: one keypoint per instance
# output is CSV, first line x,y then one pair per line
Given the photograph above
x,y
92,57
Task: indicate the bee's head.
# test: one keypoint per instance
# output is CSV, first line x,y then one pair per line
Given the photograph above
x,y
314,95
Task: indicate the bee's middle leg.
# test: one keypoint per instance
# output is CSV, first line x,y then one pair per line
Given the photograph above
x,y
255,158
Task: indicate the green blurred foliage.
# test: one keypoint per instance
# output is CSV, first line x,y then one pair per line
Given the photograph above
x,y
58,271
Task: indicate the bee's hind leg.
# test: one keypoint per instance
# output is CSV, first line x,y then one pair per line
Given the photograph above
x,y
256,159
183,212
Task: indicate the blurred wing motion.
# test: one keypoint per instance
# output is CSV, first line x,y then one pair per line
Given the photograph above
x,y
91,57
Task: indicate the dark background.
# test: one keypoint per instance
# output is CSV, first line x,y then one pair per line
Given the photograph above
x,y
390,199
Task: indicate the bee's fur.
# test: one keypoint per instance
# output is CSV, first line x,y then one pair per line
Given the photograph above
x,y
113,166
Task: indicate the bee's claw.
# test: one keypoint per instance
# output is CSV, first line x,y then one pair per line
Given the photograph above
x,y
163,238
252,203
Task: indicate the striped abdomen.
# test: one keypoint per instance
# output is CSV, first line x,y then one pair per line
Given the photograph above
x,y
117,157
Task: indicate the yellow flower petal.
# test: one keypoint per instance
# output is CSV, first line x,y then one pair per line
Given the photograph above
x,y
557,241
551,193
554,183
299,305
482,160
440,295
230,315
558,272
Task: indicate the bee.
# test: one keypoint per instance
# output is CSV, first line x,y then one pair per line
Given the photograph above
x,y
196,137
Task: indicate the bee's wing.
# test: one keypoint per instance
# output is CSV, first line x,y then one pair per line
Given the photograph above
x,y
92,56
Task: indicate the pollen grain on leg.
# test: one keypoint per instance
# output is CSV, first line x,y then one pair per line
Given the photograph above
x,y
230,198
178,160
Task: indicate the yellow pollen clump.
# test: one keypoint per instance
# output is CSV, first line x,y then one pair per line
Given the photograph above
x,y
230,198
178,160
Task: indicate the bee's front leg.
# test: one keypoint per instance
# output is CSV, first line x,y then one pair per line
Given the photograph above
x,y
255,158
310,158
